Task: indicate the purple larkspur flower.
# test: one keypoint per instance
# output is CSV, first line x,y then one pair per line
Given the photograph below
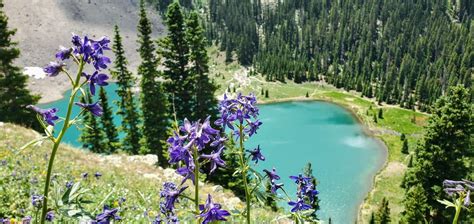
x,y
272,174
83,46
211,212
63,53
467,199
94,108
100,45
275,186
96,79
170,193
97,175
69,184
53,68
49,115
85,175
299,205
26,220
215,159
36,200
49,216
121,200
180,153
252,128
107,215
300,179
100,62
309,191
256,154
187,173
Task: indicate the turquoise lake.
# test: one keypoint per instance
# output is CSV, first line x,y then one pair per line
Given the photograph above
x,y
344,158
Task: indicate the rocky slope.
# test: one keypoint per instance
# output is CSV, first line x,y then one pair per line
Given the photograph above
x,y
43,25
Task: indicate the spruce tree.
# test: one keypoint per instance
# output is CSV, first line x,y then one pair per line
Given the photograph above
x,y
415,203
204,89
402,137
174,49
153,100
380,113
14,96
92,136
107,121
372,218
442,154
126,104
383,213
405,146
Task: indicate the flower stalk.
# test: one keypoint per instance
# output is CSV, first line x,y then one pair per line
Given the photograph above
x,y
57,140
243,166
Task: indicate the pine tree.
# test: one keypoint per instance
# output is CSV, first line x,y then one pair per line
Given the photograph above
x,y
308,171
107,121
380,113
402,137
266,93
405,146
92,135
442,154
175,52
204,89
126,104
153,99
372,218
416,207
383,213
375,118
14,96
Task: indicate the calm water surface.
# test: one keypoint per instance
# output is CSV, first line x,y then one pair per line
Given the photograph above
x,y
344,159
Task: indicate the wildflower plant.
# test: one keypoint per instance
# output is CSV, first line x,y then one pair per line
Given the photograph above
x,y
83,52
460,193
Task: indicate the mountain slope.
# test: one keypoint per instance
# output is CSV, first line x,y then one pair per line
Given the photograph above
x,y
43,25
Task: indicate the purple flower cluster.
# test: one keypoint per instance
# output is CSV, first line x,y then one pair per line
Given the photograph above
x,y
106,216
169,196
195,136
306,190
211,211
242,112
452,187
36,200
50,216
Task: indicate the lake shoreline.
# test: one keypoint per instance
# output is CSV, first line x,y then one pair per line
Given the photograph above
x,y
367,130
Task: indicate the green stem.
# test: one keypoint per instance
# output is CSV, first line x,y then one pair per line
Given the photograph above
x,y
458,210
196,181
244,172
58,141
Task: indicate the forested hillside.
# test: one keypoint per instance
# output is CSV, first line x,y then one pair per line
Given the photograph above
x,y
402,52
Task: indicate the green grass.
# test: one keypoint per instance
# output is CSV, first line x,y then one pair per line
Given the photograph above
x,y
395,121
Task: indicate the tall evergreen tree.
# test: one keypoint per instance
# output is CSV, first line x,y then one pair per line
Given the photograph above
x,y
126,104
153,99
92,136
107,120
383,213
415,205
204,98
443,152
175,52
405,146
14,96
308,171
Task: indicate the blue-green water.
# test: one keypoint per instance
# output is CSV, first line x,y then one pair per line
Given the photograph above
x,y
344,159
